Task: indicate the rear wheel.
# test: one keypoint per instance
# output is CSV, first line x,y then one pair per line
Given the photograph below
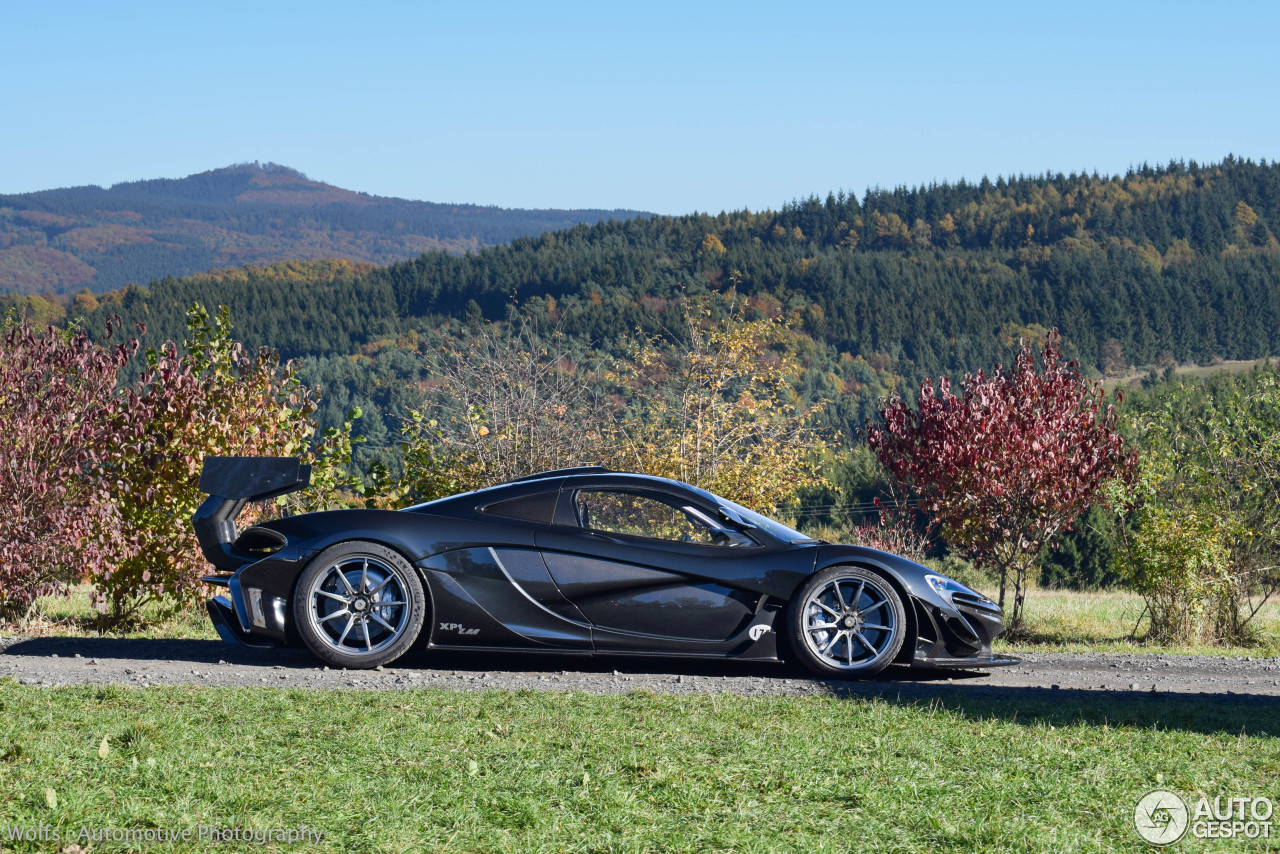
x,y
358,605
846,621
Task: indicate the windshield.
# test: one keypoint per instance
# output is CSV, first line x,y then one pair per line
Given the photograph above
x,y
774,529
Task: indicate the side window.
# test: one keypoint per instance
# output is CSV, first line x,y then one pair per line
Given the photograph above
x,y
641,516
540,507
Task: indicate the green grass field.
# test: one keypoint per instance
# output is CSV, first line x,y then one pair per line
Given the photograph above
x,y
1113,621
498,771
1134,377
501,771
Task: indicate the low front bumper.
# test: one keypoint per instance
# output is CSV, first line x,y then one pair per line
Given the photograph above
x,y
979,661
959,636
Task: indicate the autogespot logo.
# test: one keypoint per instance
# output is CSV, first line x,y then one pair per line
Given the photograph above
x,y
1161,817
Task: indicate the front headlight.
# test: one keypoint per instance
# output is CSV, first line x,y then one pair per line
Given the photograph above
x,y
945,587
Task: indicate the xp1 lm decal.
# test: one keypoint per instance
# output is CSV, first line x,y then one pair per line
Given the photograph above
x,y
459,628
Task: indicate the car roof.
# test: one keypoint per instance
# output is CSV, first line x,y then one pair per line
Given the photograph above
x,y
542,475
599,476
568,478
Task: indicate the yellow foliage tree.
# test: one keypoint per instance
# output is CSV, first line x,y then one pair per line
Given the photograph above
x,y
719,411
716,410
711,245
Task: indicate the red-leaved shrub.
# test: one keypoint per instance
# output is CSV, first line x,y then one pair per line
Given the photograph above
x,y
1008,463
98,480
62,421
214,399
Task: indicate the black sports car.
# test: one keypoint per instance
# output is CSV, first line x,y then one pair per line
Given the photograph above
x,y
581,560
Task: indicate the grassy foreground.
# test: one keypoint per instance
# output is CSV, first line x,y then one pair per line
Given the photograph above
x,y
496,771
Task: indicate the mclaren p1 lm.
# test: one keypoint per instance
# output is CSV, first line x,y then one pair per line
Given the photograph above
x,y
581,560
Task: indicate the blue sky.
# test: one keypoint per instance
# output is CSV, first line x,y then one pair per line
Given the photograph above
x,y
669,107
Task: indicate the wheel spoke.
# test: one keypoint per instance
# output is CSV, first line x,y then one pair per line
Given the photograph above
x,y
373,615
351,621
831,642
830,611
875,607
848,650
364,576
342,599
368,642
344,612
343,578
857,597
375,591
817,626
880,628
867,644
388,604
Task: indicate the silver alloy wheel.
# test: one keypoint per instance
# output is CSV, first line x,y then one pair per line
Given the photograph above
x,y
359,605
850,623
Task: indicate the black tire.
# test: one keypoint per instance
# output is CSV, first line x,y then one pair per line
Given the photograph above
x,y
867,627
358,605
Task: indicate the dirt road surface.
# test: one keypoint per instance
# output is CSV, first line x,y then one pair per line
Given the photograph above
x,y
102,661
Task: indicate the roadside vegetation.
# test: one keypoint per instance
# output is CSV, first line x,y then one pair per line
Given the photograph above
x,y
1029,478
800,361
539,771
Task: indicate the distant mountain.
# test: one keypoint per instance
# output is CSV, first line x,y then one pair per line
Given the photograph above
x,y
68,239
1162,266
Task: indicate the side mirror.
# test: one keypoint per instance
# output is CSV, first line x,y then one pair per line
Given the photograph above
x,y
733,519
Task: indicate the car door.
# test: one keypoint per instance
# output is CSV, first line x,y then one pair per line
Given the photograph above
x,y
501,595
650,570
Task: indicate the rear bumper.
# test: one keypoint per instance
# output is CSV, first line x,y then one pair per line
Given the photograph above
x,y
253,610
225,622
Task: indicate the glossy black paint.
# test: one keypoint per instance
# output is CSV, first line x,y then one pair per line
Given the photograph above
x,y
545,582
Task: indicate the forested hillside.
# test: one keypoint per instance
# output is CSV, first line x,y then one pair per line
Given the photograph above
x,y
64,240
1172,263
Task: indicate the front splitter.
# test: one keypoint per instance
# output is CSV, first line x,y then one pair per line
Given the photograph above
x,y
972,663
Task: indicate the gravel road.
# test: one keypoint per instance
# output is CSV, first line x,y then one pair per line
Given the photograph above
x,y
99,661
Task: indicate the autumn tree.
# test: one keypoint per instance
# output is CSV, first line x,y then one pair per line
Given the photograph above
x,y
1201,541
510,400
1111,358
57,405
207,397
716,409
1009,462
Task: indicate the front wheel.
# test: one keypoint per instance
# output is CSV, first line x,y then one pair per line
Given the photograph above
x,y
358,605
846,622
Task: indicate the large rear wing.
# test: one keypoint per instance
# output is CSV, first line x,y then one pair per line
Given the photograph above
x,y
231,483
